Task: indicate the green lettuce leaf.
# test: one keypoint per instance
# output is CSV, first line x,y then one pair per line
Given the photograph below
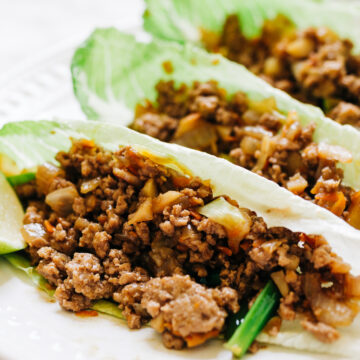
x,y
30,143
182,20
20,262
109,82
108,308
11,216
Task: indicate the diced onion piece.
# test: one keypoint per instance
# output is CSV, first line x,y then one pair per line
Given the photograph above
x,y
201,137
334,152
45,174
236,221
272,66
353,217
297,184
158,323
224,131
149,189
267,148
189,235
292,129
181,181
90,185
143,213
280,281
300,47
127,176
263,106
166,199
256,131
271,246
319,186
294,162
34,234
352,286
249,145
61,200
251,117
188,123
325,307
325,35
293,262
291,117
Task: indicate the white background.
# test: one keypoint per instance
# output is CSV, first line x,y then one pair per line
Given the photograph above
x,y
30,27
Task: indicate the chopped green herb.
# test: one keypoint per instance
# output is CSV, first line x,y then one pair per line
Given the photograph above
x,y
16,180
257,317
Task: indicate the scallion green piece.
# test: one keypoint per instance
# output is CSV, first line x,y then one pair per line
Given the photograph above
x,y
257,317
16,180
233,321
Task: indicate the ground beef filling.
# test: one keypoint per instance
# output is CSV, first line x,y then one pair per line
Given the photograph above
x,y
313,65
255,136
118,226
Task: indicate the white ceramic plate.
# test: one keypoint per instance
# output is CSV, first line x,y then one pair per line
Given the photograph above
x,y
31,327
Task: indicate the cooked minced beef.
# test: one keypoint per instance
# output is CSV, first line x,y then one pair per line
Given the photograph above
x,y
179,307
314,64
118,226
255,136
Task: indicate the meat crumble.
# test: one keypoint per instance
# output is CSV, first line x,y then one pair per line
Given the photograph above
x,y
314,65
118,226
253,135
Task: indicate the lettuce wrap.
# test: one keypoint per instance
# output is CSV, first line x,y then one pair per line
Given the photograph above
x,y
113,73
24,145
313,58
